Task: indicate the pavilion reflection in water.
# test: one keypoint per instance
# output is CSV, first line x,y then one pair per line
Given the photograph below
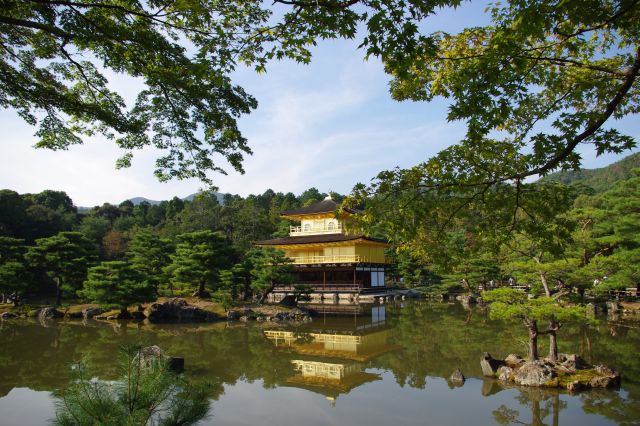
x,y
331,353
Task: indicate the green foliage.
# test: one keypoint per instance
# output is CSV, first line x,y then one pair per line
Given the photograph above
x,y
144,234
302,292
507,303
412,271
599,180
147,393
117,284
235,281
95,228
14,274
65,258
149,254
269,266
532,85
198,259
33,216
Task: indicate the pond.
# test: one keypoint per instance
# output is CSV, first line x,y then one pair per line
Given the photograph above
x,y
367,365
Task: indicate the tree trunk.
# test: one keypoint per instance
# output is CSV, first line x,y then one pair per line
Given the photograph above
x,y
124,313
202,292
545,284
58,291
466,285
553,341
533,340
555,403
543,278
585,258
536,418
265,293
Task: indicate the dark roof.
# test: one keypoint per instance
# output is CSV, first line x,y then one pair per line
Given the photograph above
x,y
325,206
308,239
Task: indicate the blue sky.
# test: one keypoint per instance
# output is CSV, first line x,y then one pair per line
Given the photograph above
x,y
330,125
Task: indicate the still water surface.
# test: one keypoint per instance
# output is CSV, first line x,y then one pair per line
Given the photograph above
x,y
371,365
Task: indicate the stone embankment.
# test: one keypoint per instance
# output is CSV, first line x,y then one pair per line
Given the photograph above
x,y
170,310
266,314
569,371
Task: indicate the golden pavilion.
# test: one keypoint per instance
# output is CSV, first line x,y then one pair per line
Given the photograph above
x,y
325,257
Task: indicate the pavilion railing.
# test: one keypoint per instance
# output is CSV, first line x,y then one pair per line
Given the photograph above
x,y
332,228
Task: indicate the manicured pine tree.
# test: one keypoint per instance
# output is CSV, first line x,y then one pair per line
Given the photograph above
x,y
270,267
65,258
197,261
149,254
118,284
511,304
13,270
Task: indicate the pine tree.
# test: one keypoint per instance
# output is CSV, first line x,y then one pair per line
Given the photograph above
x,y
197,261
147,393
116,283
65,258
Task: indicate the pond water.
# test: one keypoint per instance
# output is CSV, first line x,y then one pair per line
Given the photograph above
x,y
370,365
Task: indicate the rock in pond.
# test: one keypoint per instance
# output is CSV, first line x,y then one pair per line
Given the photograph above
x,y
505,373
151,353
513,360
457,377
607,377
8,315
177,309
91,312
574,386
534,373
49,313
490,365
568,371
468,299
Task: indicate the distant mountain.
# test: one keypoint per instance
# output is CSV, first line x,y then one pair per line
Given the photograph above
x,y
138,200
218,195
598,179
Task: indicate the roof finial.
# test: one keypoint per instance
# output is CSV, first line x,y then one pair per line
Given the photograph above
x,y
328,197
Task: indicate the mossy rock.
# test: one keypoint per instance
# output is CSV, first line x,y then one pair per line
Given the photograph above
x,y
112,314
584,377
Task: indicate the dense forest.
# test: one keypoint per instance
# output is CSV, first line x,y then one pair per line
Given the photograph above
x,y
582,236
49,249
129,253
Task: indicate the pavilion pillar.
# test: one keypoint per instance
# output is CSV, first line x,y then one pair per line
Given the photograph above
x,y
354,277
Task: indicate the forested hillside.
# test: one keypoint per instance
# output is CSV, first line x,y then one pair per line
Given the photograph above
x,y
599,179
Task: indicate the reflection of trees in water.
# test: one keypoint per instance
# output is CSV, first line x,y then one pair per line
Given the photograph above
x,y
434,338
39,358
611,404
543,404
437,338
